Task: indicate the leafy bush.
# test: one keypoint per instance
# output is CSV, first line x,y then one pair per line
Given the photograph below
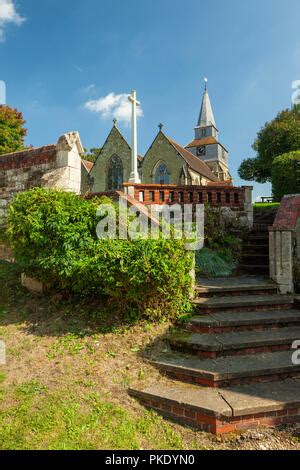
x,y
211,264
286,175
222,240
54,238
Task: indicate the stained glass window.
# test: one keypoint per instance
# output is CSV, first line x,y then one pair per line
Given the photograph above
x,y
115,173
162,176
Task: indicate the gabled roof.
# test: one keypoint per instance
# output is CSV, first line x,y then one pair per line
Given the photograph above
x,y
206,116
113,129
87,165
193,162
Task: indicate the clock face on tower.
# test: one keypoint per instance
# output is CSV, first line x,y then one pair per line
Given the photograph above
x,y
201,151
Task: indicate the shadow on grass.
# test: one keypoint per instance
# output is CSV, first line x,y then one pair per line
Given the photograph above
x,y
53,315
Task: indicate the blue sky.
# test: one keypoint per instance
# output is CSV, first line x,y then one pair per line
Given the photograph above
x,y
57,55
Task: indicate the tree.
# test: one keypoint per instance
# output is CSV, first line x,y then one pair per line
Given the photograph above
x,y
280,136
286,175
12,130
92,154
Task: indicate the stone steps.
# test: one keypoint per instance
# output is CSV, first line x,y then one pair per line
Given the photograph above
x,y
231,361
242,303
233,343
223,322
226,371
225,410
243,289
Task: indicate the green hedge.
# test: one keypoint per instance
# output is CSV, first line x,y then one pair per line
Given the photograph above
x,y
286,175
54,238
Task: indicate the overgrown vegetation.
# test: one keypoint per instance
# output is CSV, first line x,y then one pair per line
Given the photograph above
x,y
53,235
223,236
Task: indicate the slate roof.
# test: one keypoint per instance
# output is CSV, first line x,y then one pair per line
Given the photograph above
x,y
195,163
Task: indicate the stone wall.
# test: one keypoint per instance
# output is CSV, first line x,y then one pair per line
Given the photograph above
x,y
51,166
284,238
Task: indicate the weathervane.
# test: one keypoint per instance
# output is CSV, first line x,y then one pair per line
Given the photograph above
x,y
160,126
205,81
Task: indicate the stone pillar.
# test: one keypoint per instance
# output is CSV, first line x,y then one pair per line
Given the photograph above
x,y
67,173
248,206
281,259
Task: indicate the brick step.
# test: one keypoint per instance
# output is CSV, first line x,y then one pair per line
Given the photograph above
x,y
234,343
226,371
242,303
255,250
254,268
224,322
264,257
230,290
225,410
258,236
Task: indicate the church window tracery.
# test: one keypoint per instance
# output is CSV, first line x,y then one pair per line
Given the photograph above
x,y
115,173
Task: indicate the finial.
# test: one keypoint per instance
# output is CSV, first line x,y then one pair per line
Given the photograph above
x,y
205,81
115,121
160,126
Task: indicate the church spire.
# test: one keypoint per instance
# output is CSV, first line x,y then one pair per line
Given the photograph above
x,y
206,117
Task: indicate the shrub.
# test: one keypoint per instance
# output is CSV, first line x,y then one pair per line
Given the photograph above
x,y
54,238
286,175
222,240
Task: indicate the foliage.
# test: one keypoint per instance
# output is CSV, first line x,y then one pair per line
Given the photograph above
x,y
277,137
211,264
12,131
53,235
286,175
222,241
92,154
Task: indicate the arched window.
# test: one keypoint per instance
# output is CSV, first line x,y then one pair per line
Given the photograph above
x,y
161,176
115,173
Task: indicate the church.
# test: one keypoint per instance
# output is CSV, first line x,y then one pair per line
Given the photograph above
x,y
202,161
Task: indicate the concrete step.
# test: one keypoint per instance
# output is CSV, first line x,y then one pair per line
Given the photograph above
x,y
230,370
230,290
233,343
223,322
243,303
226,409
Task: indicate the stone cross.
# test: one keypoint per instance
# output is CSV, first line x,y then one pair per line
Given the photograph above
x,y
134,176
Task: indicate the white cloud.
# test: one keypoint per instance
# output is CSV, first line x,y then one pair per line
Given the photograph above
x,y
113,106
8,14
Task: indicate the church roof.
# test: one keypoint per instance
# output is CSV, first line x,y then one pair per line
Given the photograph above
x,y
205,141
193,162
87,165
206,116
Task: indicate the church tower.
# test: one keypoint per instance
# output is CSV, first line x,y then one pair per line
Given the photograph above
x,y
206,145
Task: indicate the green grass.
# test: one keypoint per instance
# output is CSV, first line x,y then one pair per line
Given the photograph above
x,y
39,419
265,205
